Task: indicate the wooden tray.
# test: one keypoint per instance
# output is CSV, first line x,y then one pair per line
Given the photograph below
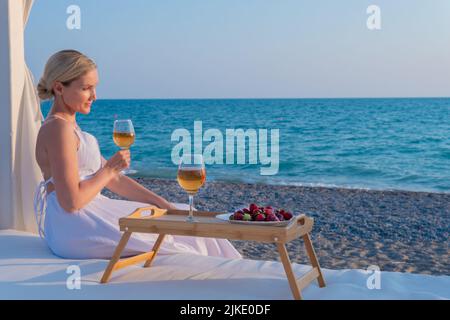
x,y
173,222
154,220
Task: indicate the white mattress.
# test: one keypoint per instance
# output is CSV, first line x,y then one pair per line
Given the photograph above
x,y
28,270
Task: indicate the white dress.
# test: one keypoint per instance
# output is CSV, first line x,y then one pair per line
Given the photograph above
x,y
93,231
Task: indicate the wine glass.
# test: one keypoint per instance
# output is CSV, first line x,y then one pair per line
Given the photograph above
x,y
123,137
191,177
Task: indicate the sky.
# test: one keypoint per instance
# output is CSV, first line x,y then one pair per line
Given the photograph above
x,y
175,49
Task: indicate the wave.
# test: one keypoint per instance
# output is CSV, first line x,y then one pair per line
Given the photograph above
x,y
442,188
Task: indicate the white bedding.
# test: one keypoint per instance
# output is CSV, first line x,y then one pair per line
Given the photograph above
x,y
28,270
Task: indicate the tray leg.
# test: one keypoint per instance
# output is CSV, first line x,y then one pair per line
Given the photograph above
x,y
116,256
155,250
289,272
313,258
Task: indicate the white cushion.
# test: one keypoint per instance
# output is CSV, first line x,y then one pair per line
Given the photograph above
x,y
28,270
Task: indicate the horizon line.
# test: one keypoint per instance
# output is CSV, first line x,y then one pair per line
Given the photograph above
x,y
281,98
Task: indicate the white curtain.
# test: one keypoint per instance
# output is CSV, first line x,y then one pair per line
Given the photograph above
x,y
28,174
25,121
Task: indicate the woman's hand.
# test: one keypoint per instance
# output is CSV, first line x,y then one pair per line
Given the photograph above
x,y
119,161
164,204
171,206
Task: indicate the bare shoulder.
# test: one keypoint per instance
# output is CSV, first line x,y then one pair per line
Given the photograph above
x,y
55,132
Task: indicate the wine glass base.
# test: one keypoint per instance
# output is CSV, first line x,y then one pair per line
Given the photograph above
x,y
190,219
128,172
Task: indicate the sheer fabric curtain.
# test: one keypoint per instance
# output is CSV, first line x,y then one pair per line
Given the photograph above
x,y
19,170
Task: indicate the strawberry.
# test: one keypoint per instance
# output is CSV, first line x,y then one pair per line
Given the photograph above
x,y
268,210
287,215
260,217
253,207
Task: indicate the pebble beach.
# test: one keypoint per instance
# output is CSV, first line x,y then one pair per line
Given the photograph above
x,y
353,228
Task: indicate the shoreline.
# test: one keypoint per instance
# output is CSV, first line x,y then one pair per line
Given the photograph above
x,y
301,184
403,231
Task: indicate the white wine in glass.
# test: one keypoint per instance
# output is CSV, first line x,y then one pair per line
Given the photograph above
x,y
123,137
191,177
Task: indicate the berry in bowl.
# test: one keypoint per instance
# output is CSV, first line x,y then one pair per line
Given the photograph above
x,y
255,214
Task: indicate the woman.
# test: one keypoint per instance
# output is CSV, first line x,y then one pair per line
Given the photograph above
x,y
75,220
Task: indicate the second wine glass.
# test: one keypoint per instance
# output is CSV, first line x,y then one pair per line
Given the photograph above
x,y
191,177
123,137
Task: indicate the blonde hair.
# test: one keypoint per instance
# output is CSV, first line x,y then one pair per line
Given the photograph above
x,y
64,66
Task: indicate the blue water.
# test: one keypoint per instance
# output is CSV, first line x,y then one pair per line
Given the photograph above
x,y
356,143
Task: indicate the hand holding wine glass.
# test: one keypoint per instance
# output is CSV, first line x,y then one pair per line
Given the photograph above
x,y
119,161
123,137
191,177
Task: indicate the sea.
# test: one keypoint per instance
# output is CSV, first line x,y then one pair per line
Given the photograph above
x,y
380,144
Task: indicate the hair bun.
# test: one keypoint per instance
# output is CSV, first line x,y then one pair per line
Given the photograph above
x,y
43,92
64,66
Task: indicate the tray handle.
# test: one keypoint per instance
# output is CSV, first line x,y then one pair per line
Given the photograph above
x,y
148,212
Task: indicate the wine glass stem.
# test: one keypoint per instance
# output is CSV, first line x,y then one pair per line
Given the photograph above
x,y
191,206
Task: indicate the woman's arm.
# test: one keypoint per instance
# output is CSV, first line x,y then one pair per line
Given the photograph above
x,y
133,191
62,154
